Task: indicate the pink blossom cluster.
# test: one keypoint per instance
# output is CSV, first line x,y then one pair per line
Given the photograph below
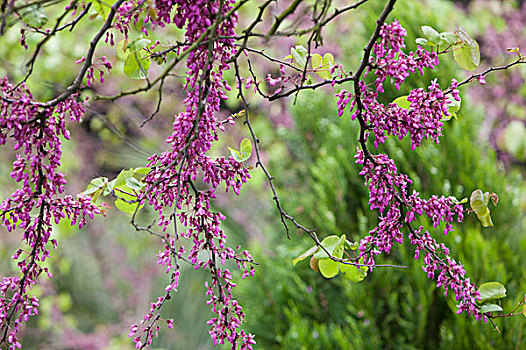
x,y
389,194
281,79
172,184
390,61
382,179
32,208
385,185
132,12
344,97
449,274
90,74
422,119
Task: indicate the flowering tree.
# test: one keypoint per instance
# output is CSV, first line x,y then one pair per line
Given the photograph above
x,y
180,183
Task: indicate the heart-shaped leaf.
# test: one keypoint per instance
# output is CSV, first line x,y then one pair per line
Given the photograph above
x,y
34,16
490,291
137,64
450,38
353,273
96,187
328,268
490,308
432,36
244,153
467,56
126,199
299,53
333,245
323,65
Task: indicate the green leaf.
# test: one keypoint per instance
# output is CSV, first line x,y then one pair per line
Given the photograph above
x,y
134,184
467,56
305,254
328,59
328,268
316,60
352,245
102,7
453,108
456,201
323,66
334,246
121,178
96,187
245,147
327,65
137,64
301,50
121,51
125,195
421,41
34,16
402,102
142,170
109,187
450,38
432,35
463,36
479,204
96,184
125,48
491,291
299,53
244,152
235,154
490,308
353,273
138,43
524,310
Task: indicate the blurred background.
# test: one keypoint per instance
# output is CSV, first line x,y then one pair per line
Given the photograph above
x,y
105,275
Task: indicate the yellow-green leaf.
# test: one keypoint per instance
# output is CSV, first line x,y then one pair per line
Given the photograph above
x,y
137,64
328,268
333,245
490,308
126,199
316,61
305,254
467,56
353,273
402,102
490,291
479,204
